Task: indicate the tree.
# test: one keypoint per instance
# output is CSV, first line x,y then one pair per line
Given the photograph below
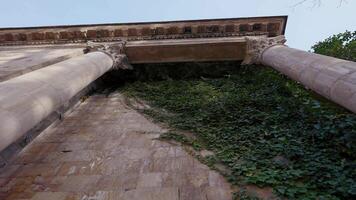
x,y
317,2
342,45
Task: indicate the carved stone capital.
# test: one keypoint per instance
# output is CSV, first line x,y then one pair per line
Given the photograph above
x,y
115,50
256,45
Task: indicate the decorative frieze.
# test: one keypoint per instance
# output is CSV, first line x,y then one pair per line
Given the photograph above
x,y
270,26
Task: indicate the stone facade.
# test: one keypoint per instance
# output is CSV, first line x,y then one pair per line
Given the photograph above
x,y
104,149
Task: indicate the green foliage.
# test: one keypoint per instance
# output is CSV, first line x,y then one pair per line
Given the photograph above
x,y
268,130
165,71
342,45
242,195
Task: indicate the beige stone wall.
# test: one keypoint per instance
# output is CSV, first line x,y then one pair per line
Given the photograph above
x,y
105,150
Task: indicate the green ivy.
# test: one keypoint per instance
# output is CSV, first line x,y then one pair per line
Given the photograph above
x,y
268,130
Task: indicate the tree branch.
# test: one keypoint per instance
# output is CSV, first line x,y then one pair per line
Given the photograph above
x,y
316,3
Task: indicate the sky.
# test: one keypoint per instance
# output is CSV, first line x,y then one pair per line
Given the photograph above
x,y
307,24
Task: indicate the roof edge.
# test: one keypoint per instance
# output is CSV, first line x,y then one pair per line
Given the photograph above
x,y
143,23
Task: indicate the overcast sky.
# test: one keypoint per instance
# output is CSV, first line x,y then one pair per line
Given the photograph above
x,y
306,24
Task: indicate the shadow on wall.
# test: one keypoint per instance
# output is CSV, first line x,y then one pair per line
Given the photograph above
x,y
171,71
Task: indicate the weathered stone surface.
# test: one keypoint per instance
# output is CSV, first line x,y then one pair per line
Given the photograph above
x,y
213,193
152,194
50,195
15,61
257,45
28,99
120,158
115,50
150,180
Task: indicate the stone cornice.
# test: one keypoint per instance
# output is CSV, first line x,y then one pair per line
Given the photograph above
x,y
270,26
257,45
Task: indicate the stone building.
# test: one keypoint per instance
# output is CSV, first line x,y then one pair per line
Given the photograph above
x,y
55,146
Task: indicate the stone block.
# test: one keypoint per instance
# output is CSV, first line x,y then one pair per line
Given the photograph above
x,y
2,38
152,194
118,33
37,36
213,193
97,195
230,28
190,193
172,30
22,37
159,31
150,180
132,32
78,35
8,37
76,183
244,27
63,35
34,170
123,182
146,31
50,195
91,34
102,33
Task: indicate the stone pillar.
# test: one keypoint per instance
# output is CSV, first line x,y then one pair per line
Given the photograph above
x,y
333,78
28,99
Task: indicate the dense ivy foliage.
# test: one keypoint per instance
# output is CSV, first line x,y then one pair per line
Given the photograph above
x,y
342,45
268,130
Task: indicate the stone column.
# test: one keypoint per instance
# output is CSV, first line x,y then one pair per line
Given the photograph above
x,y
28,99
333,78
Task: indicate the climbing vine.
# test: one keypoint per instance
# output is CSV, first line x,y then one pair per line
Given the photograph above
x,y
266,129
